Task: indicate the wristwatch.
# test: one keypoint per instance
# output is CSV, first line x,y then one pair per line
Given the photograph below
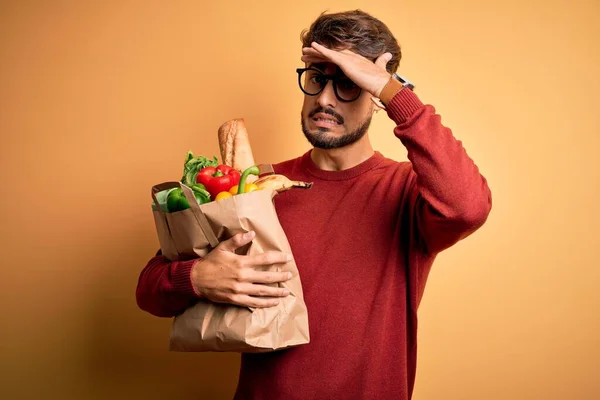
x,y
405,82
396,84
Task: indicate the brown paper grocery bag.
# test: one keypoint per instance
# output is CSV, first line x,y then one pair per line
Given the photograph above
x,y
208,326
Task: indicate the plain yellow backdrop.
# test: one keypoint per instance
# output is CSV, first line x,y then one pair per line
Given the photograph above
x,y
100,100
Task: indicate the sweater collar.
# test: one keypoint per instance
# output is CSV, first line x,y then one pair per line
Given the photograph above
x,y
310,167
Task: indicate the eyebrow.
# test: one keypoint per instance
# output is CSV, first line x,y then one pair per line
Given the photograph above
x,y
319,66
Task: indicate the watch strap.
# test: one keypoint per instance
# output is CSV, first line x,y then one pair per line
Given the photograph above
x,y
391,89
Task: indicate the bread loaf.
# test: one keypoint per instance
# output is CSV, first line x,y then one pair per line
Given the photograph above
x,y
234,145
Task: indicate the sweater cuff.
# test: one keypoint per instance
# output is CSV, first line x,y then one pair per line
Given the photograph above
x,y
182,279
403,105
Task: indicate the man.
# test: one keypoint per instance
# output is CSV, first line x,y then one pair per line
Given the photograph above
x,y
364,237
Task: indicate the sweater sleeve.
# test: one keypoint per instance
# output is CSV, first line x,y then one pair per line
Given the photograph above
x,y
450,198
165,288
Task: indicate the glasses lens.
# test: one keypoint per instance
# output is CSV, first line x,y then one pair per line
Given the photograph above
x,y
312,82
347,90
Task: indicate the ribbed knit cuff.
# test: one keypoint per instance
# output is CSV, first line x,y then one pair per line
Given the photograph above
x,y
403,106
182,280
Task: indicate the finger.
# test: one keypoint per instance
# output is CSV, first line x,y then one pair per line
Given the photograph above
x,y
267,276
236,241
313,59
309,51
314,55
251,289
268,258
330,54
256,302
383,59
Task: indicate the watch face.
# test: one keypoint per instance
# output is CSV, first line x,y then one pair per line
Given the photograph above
x,y
405,82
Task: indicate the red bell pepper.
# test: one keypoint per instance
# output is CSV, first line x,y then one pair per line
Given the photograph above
x,y
218,179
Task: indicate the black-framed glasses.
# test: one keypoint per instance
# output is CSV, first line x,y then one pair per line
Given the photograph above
x,y
312,82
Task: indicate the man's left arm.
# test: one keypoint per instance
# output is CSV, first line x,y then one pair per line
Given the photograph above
x,y
452,198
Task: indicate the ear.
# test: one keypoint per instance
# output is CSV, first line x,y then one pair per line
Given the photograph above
x,y
376,105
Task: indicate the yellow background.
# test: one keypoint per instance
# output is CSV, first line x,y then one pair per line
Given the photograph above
x,y
101,100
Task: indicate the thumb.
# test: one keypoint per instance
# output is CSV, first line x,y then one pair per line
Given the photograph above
x,y
383,59
236,241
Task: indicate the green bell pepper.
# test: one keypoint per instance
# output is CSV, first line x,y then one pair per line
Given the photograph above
x,y
176,200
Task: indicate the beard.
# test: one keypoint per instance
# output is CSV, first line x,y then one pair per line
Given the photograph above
x,y
322,140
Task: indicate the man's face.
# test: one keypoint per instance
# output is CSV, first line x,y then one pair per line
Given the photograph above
x,y
328,122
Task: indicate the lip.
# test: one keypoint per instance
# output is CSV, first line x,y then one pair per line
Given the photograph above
x,y
325,120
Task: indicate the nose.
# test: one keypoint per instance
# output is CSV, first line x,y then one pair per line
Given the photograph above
x,y
327,97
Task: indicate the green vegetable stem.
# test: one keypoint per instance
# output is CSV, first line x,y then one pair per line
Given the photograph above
x,y
248,171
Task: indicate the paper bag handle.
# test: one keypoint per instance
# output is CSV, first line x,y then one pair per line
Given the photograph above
x,y
189,195
265,169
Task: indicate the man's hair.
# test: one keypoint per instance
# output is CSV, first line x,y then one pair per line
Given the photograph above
x,y
356,31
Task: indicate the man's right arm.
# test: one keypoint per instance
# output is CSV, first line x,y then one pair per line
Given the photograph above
x,y
165,287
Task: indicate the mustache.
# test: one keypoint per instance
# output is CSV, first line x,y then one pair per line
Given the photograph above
x,y
328,111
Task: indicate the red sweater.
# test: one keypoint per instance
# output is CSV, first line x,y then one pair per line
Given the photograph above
x,y
364,240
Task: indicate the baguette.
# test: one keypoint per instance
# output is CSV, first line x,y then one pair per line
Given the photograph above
x,y
234,145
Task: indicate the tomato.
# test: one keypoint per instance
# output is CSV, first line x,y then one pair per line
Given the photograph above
x,y
223,195
249,187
